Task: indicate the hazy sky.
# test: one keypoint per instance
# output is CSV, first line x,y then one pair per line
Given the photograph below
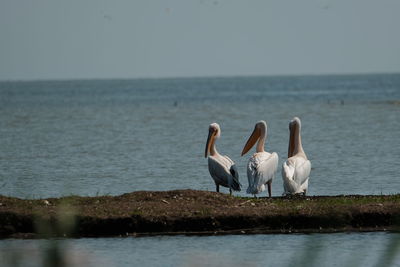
x,y
54,39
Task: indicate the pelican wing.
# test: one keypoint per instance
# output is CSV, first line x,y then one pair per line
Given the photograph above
x,y
261,168
235,178
224,172
295,174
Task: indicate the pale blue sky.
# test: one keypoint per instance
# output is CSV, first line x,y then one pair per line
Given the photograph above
x,y
54,39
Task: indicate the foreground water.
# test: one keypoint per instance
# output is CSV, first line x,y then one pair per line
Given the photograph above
x,y
362,249
117,136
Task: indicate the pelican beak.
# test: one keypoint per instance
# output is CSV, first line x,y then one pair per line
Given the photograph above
x,y
252,140
291,140
211,134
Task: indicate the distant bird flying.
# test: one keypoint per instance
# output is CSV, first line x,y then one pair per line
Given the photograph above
x,y
296,169
222,169
262,165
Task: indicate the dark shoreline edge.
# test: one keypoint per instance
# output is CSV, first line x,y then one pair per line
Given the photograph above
x,y
210,233
192,212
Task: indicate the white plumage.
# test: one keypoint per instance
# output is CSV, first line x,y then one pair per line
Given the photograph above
x,y
296,169
262,165
222,169
261,169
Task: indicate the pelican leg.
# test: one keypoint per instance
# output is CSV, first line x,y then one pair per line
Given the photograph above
x,y
305,192
230,192
217,188
269,188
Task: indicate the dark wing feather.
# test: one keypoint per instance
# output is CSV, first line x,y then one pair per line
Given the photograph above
x,y
235,174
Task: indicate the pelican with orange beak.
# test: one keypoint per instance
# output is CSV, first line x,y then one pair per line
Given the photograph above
x,y
222,169
262,165
296,169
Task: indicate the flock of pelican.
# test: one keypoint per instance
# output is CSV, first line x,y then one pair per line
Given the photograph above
x,y
262,165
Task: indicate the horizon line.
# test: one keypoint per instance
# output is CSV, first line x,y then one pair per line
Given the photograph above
x,y
200,77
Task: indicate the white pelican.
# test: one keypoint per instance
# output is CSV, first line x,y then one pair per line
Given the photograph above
x,y
262,165
222,169
296,169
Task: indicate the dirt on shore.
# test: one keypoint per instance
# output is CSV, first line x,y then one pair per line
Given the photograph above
x,y
194,212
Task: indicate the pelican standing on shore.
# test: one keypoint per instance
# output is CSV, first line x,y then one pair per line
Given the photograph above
x,y
296,169
222,169
262,165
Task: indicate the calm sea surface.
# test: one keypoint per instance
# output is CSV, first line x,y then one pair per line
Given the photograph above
x,y
116,136
361,249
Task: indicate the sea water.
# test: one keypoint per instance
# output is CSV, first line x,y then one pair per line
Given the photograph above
x,y
109,137
341,249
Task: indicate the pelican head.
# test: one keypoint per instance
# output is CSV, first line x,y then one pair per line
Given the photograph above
x,y
295,122
214,132
259,132
294,129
